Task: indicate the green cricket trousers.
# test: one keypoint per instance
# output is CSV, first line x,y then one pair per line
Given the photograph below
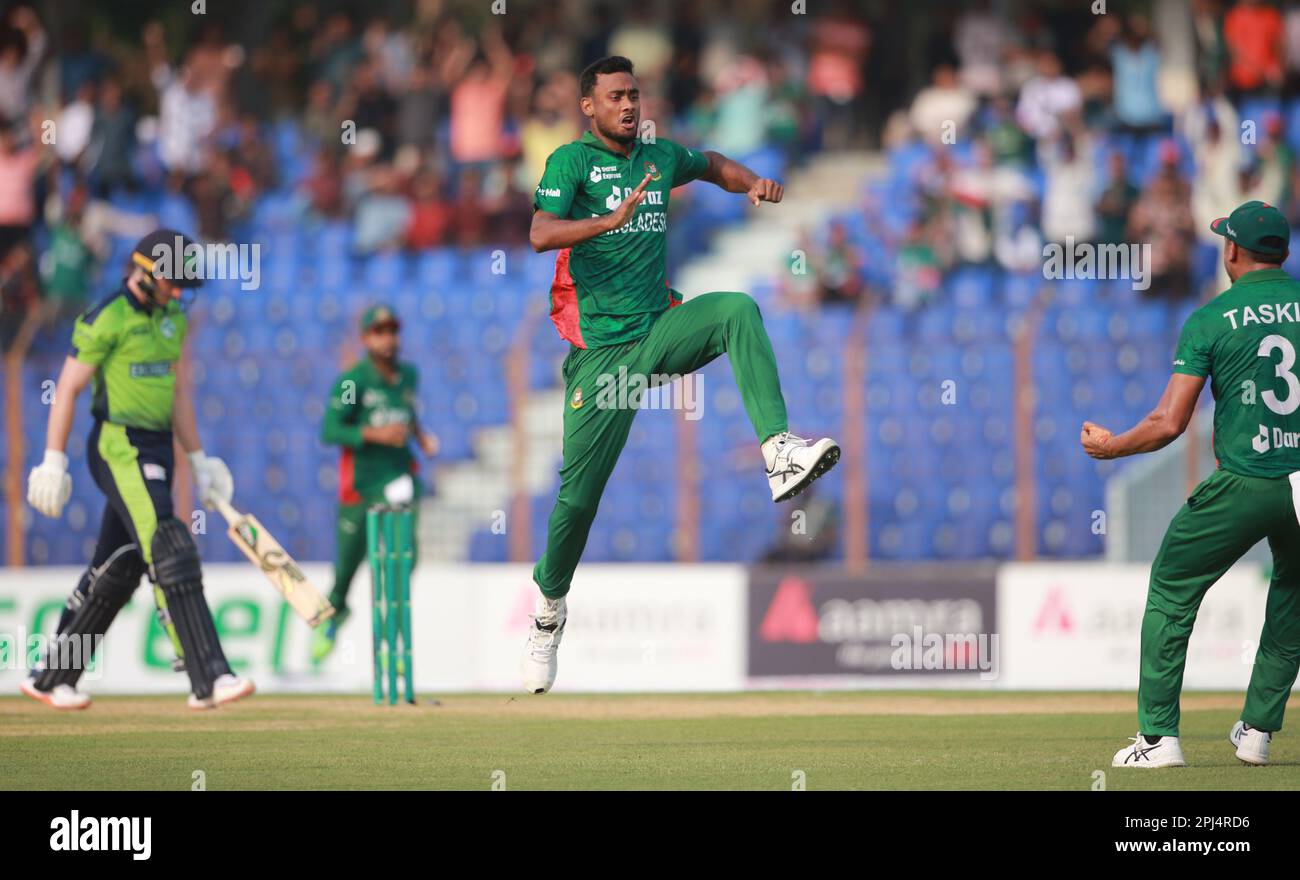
x,y
1225,516
597,419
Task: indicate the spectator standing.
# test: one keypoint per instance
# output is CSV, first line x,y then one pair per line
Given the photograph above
x,y
980,38
551,124
1068,190
1116,201
67,262
1163,217
74,125
431,215
941,111
838,268
21,50
478,103
1291,46
112,140
918,274
841,42
419,107
187,114
1211,48
1253,33
1210,128
1135,60
1046,97
18,168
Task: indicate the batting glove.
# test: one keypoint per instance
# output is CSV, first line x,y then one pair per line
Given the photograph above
x,y
48,485
212,478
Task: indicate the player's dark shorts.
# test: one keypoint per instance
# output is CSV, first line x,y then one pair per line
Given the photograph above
x,y
133,468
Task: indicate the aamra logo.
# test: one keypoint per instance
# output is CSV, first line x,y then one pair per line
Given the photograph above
x,y
791,616
1054,614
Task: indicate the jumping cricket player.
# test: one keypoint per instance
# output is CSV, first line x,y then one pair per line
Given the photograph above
x,y
1244,340
371,415
128,348
603,204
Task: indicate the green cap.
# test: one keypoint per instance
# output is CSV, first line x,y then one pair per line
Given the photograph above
x,y
1256,226
377,316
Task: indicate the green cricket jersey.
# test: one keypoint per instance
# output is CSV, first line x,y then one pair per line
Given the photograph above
x,y
1245,339
134,348
610,289
361,397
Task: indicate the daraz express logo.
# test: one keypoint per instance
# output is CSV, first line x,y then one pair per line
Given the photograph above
x,y
615,199
1275,439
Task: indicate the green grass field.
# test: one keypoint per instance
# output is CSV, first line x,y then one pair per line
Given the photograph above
x,y
877,740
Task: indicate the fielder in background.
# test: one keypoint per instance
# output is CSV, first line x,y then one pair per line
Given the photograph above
x,y
603,204
371,415
129,348
1244,340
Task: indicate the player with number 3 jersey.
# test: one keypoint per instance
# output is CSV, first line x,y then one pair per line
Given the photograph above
x,y
1244,341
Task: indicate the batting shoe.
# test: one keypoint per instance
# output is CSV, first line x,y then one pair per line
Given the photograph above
x,y
1251,742
1164,752
61,696
540,663
227,689
324,637
793,462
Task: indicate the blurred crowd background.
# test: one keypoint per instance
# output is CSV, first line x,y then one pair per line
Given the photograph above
x,y
377,149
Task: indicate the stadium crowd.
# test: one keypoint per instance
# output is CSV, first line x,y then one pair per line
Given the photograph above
x,y
1030,126
426,132
1018,142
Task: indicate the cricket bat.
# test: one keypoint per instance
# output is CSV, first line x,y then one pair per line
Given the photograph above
x,y
265,552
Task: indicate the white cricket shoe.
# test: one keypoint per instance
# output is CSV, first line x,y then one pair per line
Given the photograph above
x,y
226,689
1251,742
62,696
1164,753
793,462
540,663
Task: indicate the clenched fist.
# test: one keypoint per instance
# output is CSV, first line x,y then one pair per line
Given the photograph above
x,y
765,190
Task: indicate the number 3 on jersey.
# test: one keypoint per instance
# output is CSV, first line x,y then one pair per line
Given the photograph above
x,y
1282,369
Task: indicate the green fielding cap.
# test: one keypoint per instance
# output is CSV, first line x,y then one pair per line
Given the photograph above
x,y
377,316
1256,226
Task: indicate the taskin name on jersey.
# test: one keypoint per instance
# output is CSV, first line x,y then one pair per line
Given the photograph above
x,y
1264,313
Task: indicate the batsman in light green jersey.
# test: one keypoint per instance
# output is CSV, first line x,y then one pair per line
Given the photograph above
x,y
1245,342
127,350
